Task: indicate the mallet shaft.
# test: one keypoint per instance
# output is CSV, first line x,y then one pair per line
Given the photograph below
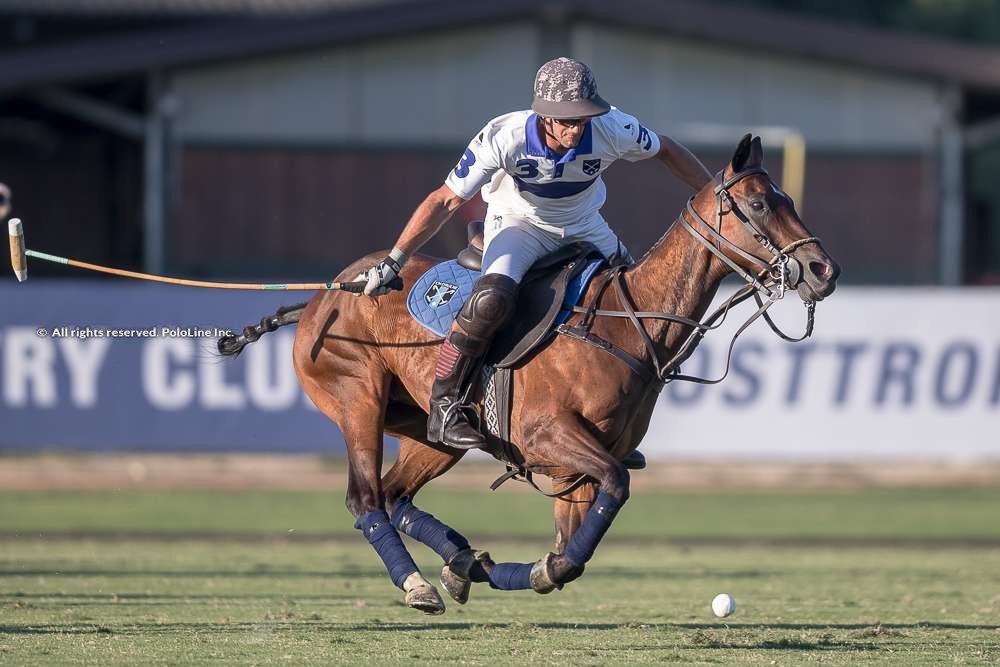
x,y
19,255
193,283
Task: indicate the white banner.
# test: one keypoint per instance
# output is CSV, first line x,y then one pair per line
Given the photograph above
x,y
888,373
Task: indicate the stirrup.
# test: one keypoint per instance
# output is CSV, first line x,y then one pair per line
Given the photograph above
x,y
451,413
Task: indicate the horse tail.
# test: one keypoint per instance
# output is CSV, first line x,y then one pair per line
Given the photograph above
x,y
232,345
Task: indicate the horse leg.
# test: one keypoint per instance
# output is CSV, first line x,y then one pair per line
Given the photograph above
x,y
570,509
418,463
361,424
583,518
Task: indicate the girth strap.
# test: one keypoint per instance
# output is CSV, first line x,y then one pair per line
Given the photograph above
x,y
522,474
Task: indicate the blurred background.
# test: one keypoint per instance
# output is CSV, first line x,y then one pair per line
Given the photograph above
x,y
279,140
161,504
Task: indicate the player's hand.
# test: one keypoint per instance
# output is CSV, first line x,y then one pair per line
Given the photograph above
x,y
378,277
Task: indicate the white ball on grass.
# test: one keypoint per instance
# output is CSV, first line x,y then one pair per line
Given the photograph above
x,y
723,605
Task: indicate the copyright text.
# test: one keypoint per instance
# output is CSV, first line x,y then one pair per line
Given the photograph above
x,y
152,332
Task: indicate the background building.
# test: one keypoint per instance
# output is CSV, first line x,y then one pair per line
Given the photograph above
x,y
282,139
279,140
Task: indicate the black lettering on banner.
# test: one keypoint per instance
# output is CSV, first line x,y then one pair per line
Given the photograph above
x,y
944,375
751,379
899,366
799,353
950,359
995,395
847,353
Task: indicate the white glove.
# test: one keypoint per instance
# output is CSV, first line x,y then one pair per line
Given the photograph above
x,y
378,277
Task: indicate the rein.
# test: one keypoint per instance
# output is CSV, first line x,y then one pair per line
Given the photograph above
x,y
769,285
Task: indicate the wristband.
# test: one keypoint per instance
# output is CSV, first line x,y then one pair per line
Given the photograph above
x,y
398,256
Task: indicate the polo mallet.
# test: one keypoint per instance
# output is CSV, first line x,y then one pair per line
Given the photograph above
x,y
19,255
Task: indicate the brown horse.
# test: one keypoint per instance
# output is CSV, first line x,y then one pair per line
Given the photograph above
x,y
369,367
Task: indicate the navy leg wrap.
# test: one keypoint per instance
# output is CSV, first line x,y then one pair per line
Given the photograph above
x,y
511,576
426,529
387,544
584,542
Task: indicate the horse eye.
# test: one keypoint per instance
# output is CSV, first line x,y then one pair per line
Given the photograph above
x,y
757,205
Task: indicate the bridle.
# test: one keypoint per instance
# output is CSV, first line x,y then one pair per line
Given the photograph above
x,y
782,273
785,270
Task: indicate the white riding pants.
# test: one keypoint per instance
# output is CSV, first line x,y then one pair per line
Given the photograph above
x,y
511,244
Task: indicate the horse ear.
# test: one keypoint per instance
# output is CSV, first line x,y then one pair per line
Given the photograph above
x,y
740,156
756,153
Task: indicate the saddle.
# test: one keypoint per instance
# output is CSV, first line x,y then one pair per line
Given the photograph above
x,y
547,295
550,289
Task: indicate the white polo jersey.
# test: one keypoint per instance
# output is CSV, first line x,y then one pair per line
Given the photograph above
x,y
519,174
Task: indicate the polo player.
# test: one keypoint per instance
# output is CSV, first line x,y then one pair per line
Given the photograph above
x,y
539,172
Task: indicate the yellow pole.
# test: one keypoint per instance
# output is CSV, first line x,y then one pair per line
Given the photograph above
x,y
793,172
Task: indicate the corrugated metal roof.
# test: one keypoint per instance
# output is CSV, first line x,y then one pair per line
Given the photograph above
x,y
792,34
235,33
134,8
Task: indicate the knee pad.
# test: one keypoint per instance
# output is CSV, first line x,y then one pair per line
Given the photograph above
x,y
489,306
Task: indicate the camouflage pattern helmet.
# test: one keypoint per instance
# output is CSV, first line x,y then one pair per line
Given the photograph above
x,y
566,88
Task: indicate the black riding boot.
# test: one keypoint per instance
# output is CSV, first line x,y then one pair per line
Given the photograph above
x,y
488,308
449,420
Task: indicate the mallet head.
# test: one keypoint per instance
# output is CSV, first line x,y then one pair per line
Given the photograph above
x,y
18,260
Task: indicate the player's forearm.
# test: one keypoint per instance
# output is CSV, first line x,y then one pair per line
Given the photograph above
x,y
425,222
683,163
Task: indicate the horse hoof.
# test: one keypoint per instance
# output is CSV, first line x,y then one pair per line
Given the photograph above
x,y
634,460
421,595
541,578
425,599
466,567
457,587
479,571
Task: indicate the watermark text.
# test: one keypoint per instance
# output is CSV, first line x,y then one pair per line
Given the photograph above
x,y
152,332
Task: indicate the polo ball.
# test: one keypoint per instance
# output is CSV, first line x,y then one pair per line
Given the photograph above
x,y
723,605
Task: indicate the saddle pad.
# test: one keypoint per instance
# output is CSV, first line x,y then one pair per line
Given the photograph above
x,y
576,288
438,295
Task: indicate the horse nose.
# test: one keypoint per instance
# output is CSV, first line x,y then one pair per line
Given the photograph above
x,y
824,271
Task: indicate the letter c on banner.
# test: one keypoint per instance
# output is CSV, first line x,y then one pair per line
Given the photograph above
x,y
163,389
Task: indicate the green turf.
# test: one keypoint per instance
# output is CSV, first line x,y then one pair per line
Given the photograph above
x,y
298,601
185,602
905,513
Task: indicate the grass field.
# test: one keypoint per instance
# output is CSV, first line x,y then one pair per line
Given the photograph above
x,y
879,576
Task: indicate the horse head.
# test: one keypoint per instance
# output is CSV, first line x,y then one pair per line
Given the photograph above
x,y
754,218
